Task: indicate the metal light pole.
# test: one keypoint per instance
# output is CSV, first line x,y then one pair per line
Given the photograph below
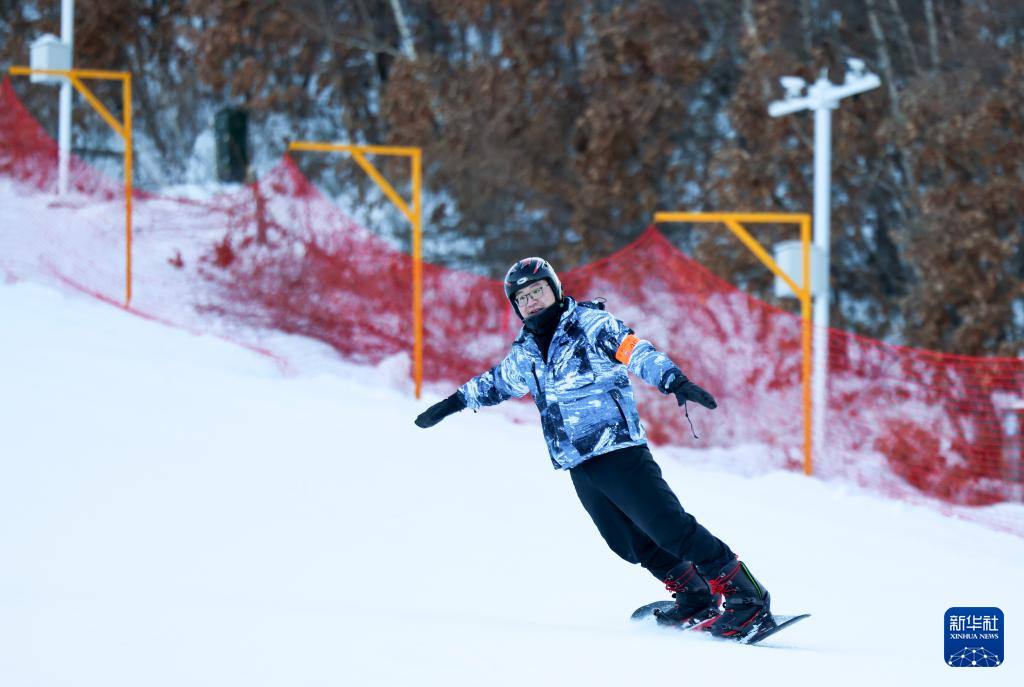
x,y
822,97
67,36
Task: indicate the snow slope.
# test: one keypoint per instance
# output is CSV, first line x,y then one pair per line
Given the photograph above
x,y
174,510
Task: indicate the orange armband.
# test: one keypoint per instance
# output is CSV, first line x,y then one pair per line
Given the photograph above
x,y
625,351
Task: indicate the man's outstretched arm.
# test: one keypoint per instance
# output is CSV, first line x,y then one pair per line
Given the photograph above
x,y
641,358
498,384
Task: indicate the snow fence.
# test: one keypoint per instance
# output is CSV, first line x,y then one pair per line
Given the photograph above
x,y
276,255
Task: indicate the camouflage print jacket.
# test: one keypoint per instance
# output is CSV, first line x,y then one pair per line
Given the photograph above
x,y
582,390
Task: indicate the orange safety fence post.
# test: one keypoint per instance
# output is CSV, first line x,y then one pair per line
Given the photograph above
x,y
734,221
414,214
122,128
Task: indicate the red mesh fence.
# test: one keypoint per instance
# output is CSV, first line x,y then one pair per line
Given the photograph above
x,y
29,154
278,256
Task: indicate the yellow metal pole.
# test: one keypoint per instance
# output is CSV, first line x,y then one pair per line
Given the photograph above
x,y
745,217
805,326
127,95
81,73
97,105
417,272
757,249
350,148
389,191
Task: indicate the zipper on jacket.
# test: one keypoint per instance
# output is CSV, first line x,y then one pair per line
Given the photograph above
x,y
616,396
622,413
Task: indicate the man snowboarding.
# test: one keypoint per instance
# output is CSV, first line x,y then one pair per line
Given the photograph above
x,y
573,359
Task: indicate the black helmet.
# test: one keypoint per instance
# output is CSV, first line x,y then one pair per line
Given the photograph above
x,y
530,270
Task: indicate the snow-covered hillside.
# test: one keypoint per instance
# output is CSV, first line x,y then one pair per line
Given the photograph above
x,y
175,510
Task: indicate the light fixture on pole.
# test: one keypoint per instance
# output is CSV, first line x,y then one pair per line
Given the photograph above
x,y
822,97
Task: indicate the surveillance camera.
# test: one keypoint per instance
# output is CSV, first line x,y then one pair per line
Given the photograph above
x,y
794,86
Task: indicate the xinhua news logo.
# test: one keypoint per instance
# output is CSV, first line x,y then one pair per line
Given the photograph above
x,y
974,637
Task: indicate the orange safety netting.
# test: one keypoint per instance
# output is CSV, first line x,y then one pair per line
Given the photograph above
x,y
921,426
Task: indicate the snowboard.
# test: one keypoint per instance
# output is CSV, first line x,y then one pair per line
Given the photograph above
x,y
762,632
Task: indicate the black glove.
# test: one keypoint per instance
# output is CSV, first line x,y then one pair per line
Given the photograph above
x,y
440,410
685,390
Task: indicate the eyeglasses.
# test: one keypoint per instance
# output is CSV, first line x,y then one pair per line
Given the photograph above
x,y
534,294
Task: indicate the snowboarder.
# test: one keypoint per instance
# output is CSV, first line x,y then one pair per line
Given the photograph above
x,y
573,359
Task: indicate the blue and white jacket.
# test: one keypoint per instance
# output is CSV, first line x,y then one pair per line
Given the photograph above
x,y
582,390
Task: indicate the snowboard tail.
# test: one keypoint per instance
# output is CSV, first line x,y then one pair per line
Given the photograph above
x,y
766,628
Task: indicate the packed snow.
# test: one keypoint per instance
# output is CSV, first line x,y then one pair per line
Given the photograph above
x,y
178,510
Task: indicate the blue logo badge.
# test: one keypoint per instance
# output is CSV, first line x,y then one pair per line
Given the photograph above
x,y
974,637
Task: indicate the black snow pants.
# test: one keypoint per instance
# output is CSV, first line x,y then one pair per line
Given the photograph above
x,y
639,515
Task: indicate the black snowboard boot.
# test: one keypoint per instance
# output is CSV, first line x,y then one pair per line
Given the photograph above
x,y
747,605
694,601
